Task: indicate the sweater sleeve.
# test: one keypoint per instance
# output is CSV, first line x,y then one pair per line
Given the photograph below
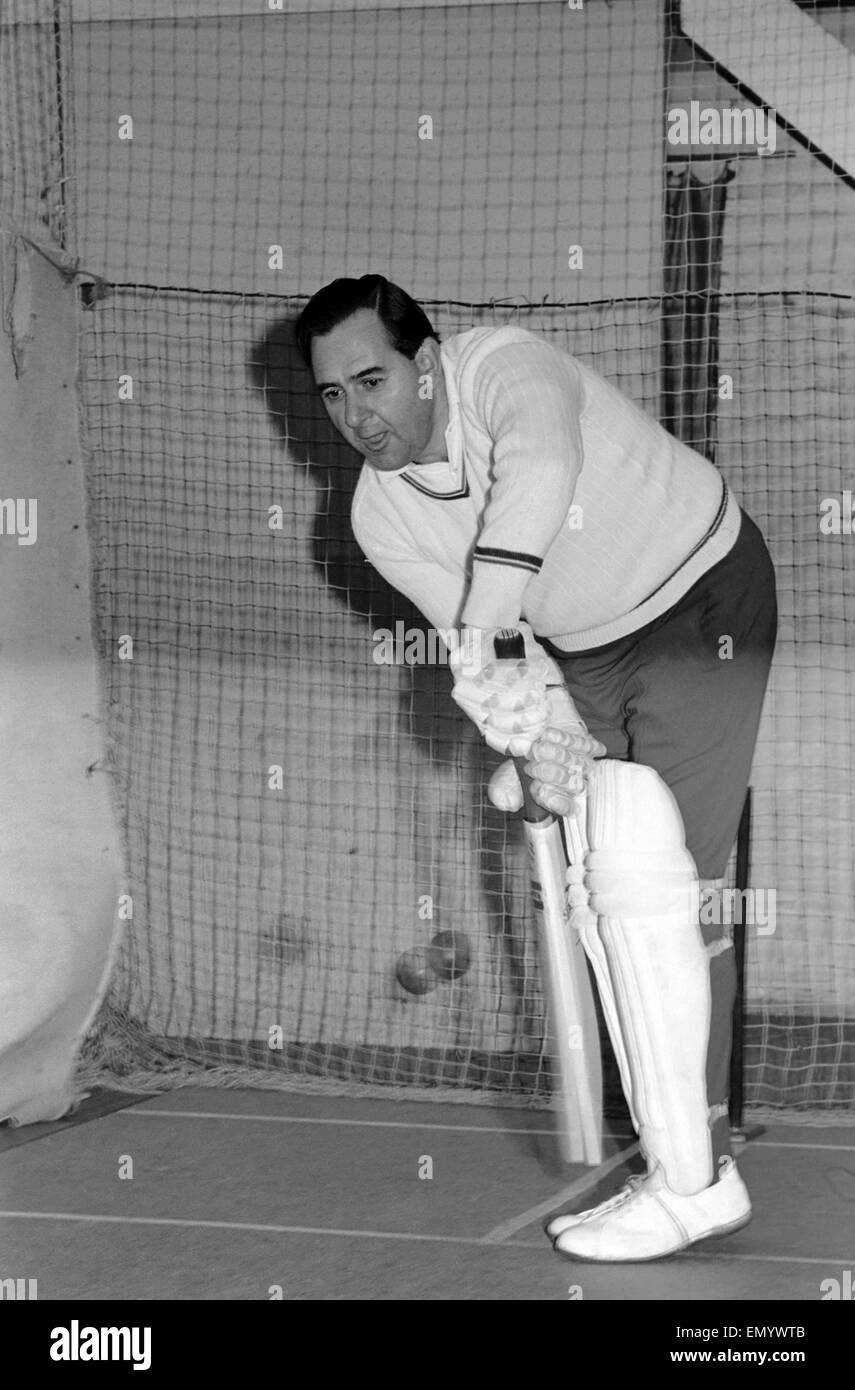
x,y
436,591
529,398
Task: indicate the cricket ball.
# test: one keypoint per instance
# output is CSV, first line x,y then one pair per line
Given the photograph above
x,y
416,972
451,954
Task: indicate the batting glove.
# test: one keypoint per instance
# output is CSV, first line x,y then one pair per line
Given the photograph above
x,y
558,761
504,699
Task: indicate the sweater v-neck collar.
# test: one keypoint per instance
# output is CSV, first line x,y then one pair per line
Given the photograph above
x,y
446,478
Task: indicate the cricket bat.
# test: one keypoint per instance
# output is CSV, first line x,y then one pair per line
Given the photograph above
x,y
573,1034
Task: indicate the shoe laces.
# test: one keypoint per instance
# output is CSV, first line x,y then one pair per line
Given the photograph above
x,y
632,1188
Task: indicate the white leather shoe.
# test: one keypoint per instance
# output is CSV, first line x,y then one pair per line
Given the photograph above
x,y
564,1222
652,1221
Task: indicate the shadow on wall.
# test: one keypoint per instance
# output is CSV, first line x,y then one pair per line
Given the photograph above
x,y
277,370
454,765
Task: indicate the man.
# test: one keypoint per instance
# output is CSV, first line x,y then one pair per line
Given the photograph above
x,y
506,485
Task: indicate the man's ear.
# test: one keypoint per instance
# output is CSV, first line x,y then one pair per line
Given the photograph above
x,y
427,359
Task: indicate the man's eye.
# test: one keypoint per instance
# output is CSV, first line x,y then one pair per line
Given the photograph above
x,y
371,381
330,395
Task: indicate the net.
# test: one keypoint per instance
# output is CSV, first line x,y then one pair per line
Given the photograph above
x,y
505,163
34,121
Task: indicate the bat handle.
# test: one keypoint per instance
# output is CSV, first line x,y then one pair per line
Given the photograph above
x,y
509,645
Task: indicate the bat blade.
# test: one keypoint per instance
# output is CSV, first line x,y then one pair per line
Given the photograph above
x,y
573,1034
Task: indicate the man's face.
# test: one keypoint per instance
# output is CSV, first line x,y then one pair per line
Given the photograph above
x,y
371,392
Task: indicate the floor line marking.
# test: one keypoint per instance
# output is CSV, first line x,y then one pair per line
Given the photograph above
x,y
765,1259
255,1226
319,1120
785,1144
135,1111
263,1228
575,1189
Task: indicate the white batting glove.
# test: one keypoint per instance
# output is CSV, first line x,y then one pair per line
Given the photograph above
x,y
504,699
558,761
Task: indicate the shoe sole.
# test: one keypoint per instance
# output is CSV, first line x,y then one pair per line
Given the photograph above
x,y
648,1259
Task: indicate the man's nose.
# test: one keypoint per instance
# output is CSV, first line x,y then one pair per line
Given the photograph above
x,y
354,413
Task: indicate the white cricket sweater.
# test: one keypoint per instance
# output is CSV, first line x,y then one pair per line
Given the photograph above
x,y
488,536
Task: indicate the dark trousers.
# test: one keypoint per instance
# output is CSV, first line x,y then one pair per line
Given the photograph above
x,y
684,696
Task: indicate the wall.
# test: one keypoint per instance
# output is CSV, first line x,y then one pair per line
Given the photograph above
x,y
303,130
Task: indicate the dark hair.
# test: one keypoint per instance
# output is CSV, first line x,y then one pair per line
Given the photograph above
x,y
404,320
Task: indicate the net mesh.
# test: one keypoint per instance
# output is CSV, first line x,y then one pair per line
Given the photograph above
x,y
34,120
463,151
